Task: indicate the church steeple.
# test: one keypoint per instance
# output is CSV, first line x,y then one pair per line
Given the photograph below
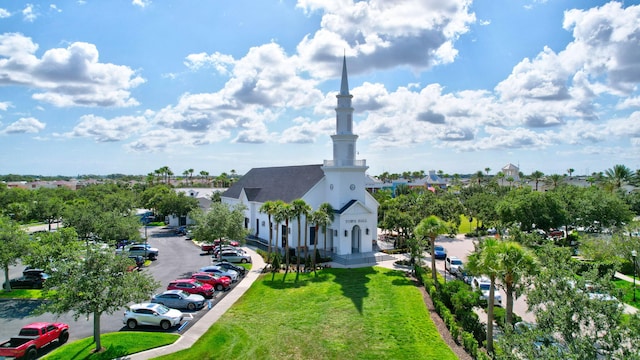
x,y
344,140
344,85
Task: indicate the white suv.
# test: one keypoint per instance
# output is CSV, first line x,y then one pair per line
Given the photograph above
x,y
151,314
453,264
484,284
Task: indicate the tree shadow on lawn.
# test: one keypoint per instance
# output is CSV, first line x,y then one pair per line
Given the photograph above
x,y
354,283
400,277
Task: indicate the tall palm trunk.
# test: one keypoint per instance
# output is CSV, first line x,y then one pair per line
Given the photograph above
x,y
315,249
270,239
286,251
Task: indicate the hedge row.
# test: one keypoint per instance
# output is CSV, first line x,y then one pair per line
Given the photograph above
x,y
457,330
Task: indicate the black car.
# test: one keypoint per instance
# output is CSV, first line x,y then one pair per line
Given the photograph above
x,y
229,266
27,281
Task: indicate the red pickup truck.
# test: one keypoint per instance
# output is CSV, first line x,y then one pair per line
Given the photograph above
x,y
32,338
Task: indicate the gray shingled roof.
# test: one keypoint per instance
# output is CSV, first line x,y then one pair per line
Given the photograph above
x,y
285,183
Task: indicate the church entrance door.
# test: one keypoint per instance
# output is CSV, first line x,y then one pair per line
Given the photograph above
x,y
355,239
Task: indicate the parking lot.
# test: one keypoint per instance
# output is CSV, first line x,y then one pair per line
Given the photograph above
x,y
461,246
178,258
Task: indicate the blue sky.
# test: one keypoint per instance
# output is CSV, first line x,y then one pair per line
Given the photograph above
x,y
101,87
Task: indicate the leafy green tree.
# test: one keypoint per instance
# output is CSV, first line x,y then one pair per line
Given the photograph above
x,y
13,245
601,209
532,209
486,261
220,222
572,308
95,285
430,227
112,226
47,206
81,214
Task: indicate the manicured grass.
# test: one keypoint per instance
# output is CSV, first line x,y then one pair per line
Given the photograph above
x,y
627,290
364,313
116,345
21,294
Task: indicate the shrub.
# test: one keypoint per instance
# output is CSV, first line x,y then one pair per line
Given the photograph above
x,y
470,343
500,316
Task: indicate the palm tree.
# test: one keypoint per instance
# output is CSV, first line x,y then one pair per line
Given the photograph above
x,y
619,175
510,180
190,171
516,263
279,215
269,208
327,209
555,180
500,175
431,227
570,171
486,261
478,177
487,169
205,175
284,213
299,208
536,176
322,217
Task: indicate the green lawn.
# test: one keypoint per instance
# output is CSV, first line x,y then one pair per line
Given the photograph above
x,y
21,294
116,345
364,313
627,290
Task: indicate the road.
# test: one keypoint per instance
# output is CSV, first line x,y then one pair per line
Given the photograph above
x,y
461,247
177,258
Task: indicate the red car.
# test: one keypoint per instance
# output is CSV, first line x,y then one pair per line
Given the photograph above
x,y
218,282
192,286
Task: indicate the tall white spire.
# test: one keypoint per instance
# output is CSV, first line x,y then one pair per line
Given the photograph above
x,y
344,85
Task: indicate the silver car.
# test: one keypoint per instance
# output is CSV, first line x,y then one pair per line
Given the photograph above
x,y
233,275
179,299
234,256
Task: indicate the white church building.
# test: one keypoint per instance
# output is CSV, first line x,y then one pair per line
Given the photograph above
x,y
340,182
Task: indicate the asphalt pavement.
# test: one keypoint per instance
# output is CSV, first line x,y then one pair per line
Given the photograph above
x,y
177,258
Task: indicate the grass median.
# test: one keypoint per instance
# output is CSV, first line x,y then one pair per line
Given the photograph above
x,y
363,313
117,344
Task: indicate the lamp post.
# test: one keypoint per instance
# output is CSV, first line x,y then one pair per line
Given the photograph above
x,y
633,255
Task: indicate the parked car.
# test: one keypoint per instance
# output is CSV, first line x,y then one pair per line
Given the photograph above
x,y
144,250
229,266
181,230
234,256
220,283
452,264
233,275
483,285
179,299
151,314
30,279
32,338
439,252
192,286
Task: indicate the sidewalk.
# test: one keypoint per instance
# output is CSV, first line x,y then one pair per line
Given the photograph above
x,y
199,328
